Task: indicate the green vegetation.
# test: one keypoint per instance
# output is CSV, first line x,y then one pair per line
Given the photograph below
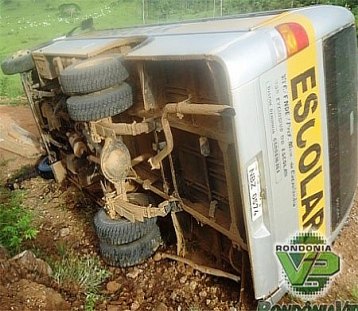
x,y
27,23
355,292
15,220
82,273
4,162
69,10
76,273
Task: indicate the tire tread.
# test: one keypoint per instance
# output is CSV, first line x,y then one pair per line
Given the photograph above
x,y
132,253
20,62
99,105
105,72
121,231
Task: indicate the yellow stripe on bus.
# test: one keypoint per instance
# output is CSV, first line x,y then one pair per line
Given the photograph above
x,y
305,104
307,132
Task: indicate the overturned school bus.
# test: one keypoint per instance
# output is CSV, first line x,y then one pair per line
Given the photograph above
x,y
242,131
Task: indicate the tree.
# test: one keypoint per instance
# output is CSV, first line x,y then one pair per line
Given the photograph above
x,y
69,9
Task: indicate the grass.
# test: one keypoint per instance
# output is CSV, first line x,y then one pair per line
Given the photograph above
x,y
82,273
21,29
4,162
354,292
76,274
15,221
85,273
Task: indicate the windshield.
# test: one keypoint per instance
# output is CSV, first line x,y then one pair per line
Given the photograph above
x,y
340,63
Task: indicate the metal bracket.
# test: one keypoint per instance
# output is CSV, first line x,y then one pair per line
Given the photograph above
x,y
134,212
93,132
212,208
105,128
41,94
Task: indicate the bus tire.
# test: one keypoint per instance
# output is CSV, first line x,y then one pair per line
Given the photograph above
x,y
93,74
44,169
134,253
99,105
19,62
120,231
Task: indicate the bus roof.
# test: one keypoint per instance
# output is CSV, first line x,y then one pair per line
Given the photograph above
x,y
194,38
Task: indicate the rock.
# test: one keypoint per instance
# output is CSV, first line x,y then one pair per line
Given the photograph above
x,y
113,308
64,232
203,294
113,286
157,257
134,273
181,267
183,279
193,285
28,261
37,296
173,295
135,306
213,290
161,307
140,296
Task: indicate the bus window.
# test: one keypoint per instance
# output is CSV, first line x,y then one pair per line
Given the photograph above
x,y
341,89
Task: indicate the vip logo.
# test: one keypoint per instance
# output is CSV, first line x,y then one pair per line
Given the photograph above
x,y
308,264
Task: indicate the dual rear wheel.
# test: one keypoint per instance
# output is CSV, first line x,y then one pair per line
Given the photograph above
x,y
123,243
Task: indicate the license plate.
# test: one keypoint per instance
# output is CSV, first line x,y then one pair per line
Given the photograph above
x,y
253,176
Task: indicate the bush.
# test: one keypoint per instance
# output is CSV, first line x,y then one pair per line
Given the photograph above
x,y
15,221
82,273
69,10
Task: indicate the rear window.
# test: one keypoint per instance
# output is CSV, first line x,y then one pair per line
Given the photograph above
x,y
340,61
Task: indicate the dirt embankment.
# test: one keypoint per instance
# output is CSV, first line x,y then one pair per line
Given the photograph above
x,y
63,217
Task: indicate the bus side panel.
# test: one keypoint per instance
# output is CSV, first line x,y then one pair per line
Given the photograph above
x,y
252,155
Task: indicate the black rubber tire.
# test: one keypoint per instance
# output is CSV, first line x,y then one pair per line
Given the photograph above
x,y
93,74
120,231
99,105
134,253
19,62
44,169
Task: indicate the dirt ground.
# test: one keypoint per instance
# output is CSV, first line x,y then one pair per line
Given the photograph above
x,y
154,285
